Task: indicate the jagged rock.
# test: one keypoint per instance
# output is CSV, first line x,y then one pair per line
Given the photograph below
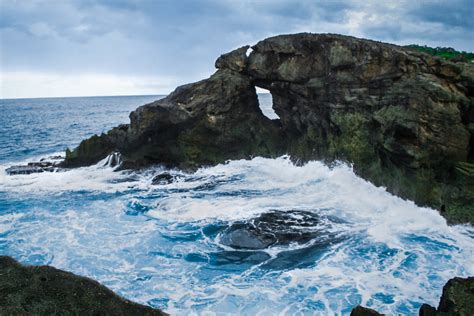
x,y
404,119
364,311
198,124
14,170
113,160
235,60
50,164
427,310
44,290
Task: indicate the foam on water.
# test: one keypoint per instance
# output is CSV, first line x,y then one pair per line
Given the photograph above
x,y
161,244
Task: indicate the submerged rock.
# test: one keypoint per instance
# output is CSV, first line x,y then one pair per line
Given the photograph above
x,y
44,290
404,119
163,178
274,228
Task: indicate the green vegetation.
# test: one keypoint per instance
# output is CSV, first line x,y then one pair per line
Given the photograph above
x,y
445,52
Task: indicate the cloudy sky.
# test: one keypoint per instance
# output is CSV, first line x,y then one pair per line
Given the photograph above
x,y
123,47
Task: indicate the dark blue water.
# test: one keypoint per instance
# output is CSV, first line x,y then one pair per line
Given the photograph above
x,y
258,236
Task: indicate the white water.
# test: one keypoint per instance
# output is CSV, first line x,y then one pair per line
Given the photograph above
x,y
143,240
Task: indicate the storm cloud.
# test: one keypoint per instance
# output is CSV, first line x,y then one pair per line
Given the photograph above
x,y
85,47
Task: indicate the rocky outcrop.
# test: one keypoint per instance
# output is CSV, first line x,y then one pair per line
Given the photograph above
x,y
404,119
198,124
457,300
49,164
44,290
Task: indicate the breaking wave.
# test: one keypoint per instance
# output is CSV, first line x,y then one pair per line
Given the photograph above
x,y
259,236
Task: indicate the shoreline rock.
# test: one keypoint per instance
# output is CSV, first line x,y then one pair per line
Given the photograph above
x,y
457,300
403,119
48,164
44,290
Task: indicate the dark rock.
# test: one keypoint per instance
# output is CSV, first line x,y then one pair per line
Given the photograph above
x,y
364,311
235,60
427,310
15,170
50,164
404,119
53,158
113,160
242,236
457,298
274,228
44,290
166,178
162,178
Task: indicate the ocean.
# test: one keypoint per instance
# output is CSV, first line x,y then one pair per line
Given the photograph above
x,y
329,240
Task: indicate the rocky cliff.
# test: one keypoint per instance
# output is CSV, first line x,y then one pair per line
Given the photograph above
x,y
404,119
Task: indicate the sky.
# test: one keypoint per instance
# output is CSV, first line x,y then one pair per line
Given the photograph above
x,y
130,47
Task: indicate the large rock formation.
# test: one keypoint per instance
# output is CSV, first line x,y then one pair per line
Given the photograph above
x,y
29,290
404,119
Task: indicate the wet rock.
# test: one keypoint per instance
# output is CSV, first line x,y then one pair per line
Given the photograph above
x,y
273,228
15,170
364,311
44,165
113,160
247,237
53,158
162,179
457,299
427,310
44,290
402,118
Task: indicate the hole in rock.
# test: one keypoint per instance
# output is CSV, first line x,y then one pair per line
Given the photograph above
x,y
265,102
249,50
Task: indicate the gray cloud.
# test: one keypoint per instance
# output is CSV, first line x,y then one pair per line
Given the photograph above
x,y
181,39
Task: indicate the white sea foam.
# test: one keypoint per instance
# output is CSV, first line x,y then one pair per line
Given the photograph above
x,y
391,247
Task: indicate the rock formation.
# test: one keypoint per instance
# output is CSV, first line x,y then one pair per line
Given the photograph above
x,y
404,119
457,299
44,290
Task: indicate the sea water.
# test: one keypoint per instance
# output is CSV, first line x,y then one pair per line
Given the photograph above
x,y
347,241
